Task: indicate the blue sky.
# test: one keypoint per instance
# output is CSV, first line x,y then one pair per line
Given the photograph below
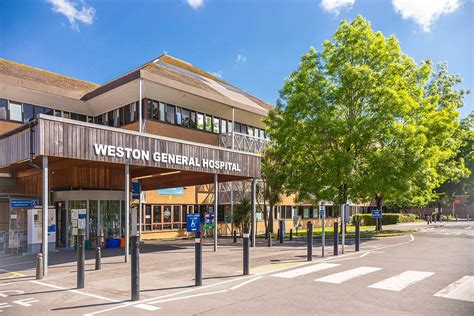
x,y
253,44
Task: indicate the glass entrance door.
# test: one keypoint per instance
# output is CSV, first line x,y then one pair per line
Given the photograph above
x,y
110,219
73,205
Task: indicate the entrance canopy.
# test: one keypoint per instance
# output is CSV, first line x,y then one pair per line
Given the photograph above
x,y
87,155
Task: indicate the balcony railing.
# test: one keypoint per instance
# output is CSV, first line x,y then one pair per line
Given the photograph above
x,y
243,142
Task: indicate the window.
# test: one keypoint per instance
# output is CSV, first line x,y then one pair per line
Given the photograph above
x,y
153,110
57,113
186,117
223,126
262,133
157,214
28,112
81,117
15,111
170,114
208,125
243,129
73,116
251,131
215,125
162,112
193,119
179,117
126,114
147,218
66,115
110,118
237,127
200,121
90,119
3,109
229,126
133,110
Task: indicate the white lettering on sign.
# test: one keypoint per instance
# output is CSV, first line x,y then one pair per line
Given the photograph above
x,y
140,154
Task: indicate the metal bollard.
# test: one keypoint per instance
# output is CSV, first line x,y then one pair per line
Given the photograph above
x,y
246,251
357,236
39,266
98,256
269,241
81,254
282,231
291,233
310,242
235,236
336,239
135,265
198,258
278,233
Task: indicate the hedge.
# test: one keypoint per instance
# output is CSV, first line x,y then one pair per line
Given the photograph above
x,y
387,218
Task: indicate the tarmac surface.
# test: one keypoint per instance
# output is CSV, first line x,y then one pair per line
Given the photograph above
x,y
430,271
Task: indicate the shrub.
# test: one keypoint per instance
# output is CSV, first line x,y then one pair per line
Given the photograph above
x,y
387,219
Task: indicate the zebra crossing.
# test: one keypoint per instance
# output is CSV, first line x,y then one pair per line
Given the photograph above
x,y
462,289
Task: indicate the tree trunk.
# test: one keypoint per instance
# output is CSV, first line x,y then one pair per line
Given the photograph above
x,y
270,224
265,218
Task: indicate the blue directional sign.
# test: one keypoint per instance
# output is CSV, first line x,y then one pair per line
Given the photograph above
x,y
135,190
321,212
376,214
193,223
23,203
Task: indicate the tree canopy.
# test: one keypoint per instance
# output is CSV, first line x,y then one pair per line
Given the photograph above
x,y
361,120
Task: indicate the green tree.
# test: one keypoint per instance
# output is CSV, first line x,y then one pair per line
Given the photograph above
x,y
358,120
462,182
271,187
242,214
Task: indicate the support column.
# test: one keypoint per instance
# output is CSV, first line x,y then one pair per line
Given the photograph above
x,y
45,199
140,215
216,204
127,211
140,106
254,206
232,206
233,129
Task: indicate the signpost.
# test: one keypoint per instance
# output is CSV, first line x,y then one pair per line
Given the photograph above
x,y
193,225
136,190
377,214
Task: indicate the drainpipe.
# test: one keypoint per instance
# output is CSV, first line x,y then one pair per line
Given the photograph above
x,y
32,124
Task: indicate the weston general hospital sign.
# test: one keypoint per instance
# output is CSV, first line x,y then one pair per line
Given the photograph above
x,y
174,159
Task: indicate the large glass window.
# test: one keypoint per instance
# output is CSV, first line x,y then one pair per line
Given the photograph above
x,y
176,219
57,113
193,119
162,112
215,125
147,218
153,110
237,127
229,126
110,219
3,109
126,114
157,217
167,217
15,111
67,115
200,121
170,114
179,117
223,126
28,112
110,118
186,117
208,123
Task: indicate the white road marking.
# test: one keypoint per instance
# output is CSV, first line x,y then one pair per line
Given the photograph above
x,y
364,254
76,291
186,297
305,270
26,302
401,281
17,292
147,307
246,282
462,289
4,305
340,277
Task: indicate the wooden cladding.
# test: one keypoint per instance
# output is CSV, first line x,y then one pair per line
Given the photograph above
x,y
70,139
15,147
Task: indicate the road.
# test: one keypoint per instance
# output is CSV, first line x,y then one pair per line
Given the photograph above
x,y
427,272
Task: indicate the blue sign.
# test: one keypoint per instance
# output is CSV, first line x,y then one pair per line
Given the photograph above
x,y
52,228
193,223
321,212
23,203
135,190
376,214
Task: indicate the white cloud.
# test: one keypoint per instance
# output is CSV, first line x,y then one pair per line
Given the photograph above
x,y
335,6
195,4
425,12
69,8
241,59
217,74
